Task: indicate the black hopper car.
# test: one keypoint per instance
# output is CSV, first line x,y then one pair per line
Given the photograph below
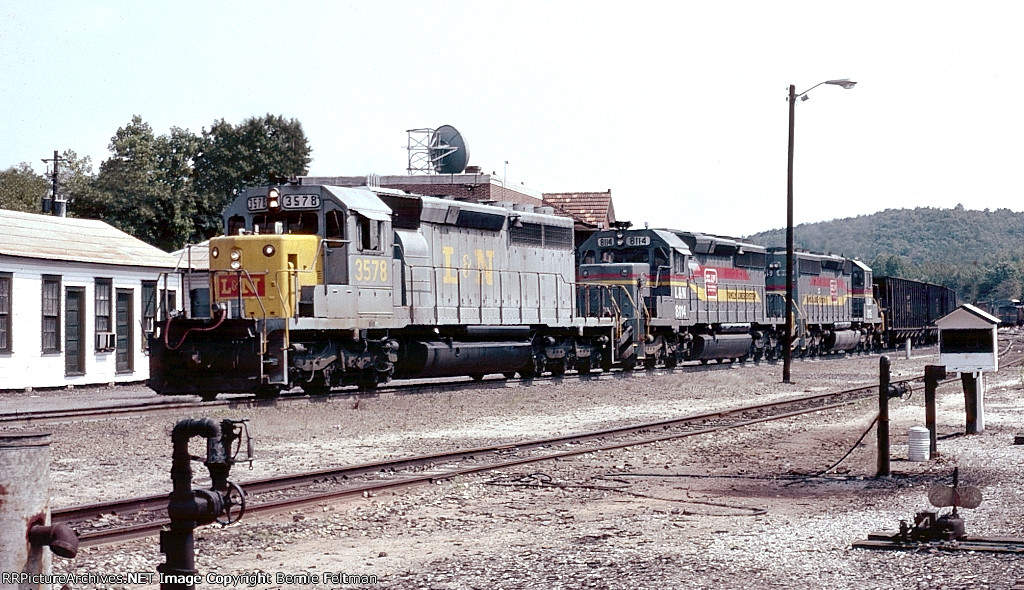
x,y
909,309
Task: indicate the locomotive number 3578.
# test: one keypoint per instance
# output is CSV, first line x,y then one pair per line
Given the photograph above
x,y
370,270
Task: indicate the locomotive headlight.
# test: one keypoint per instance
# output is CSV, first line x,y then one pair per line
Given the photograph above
x,y
268,250
235,265
624,272
236,255
273,199
215,252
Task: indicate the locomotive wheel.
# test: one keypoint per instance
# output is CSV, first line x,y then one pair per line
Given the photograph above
x,y
478,377
316,389
208,396
509,374
267,392
533,368
671,361
583,366
316,386
650,362
368,380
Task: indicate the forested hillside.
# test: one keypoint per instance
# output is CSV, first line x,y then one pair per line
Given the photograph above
x,y
978,253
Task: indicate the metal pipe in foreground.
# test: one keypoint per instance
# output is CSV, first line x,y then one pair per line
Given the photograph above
x,y
27,540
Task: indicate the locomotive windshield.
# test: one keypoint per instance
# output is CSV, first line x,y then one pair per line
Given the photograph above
x,y
292,222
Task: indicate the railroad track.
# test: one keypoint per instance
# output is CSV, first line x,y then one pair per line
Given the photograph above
x,y
137,517
165,404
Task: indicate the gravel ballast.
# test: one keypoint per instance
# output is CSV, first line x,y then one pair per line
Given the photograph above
x,y
743,508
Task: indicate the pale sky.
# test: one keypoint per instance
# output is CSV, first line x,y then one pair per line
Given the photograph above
x,y
677,107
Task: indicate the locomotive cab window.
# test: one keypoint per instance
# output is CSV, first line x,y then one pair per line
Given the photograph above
x,y
236,223
369,233
335,221
660,258
589,257
679,266
634,255
294,222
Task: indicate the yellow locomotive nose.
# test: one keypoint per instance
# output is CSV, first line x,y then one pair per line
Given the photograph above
x,y
261,276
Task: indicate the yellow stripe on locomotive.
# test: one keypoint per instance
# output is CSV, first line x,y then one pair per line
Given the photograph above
x,y
265,273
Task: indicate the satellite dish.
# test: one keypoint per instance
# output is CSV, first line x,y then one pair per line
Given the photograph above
x,y
448,150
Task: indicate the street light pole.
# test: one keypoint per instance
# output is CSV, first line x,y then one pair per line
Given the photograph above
x,y
787,339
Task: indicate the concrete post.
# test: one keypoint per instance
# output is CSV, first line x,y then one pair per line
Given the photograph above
x,y
24,502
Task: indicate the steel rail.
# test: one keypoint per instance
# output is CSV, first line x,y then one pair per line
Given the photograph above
x,y
157,504
404,386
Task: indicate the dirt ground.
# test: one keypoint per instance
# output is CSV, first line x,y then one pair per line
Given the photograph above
x,y
744,508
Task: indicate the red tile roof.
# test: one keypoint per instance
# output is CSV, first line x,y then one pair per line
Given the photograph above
x,y
591,209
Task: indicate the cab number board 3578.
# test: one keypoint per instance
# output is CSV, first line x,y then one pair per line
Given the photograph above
x,y
287,202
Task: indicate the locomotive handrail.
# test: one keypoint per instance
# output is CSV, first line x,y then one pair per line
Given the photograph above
x,y
241,304
438,279
611,299
167,325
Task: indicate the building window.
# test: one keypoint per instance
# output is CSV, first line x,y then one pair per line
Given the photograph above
x,y
51,313
148,311
5,312
168,303
104,294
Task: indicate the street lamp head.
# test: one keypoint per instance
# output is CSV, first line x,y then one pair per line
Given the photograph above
x,y
845,83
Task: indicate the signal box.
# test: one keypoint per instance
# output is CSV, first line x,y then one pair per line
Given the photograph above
x,y
967,341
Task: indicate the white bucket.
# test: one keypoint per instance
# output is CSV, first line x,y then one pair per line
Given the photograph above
x,y
919,443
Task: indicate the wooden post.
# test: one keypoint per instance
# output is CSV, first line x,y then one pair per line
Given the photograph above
x,y
932,376
883,418
972,401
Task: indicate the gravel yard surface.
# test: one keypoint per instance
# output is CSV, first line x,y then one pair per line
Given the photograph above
x,y
738,509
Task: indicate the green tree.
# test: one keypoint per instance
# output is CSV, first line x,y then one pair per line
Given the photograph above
x,y
21,189
1002,281
234,158
74,178
889,265
145,187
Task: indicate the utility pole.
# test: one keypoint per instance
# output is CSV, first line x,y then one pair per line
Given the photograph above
x,y
54,205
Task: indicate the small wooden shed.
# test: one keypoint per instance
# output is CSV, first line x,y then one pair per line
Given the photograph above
x,y
968,341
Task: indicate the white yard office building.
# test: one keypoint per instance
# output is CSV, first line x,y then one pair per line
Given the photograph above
x,y
78,299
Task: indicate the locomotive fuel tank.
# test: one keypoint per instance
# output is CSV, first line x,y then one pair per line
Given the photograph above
x,y
837,340
720,346
452,358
